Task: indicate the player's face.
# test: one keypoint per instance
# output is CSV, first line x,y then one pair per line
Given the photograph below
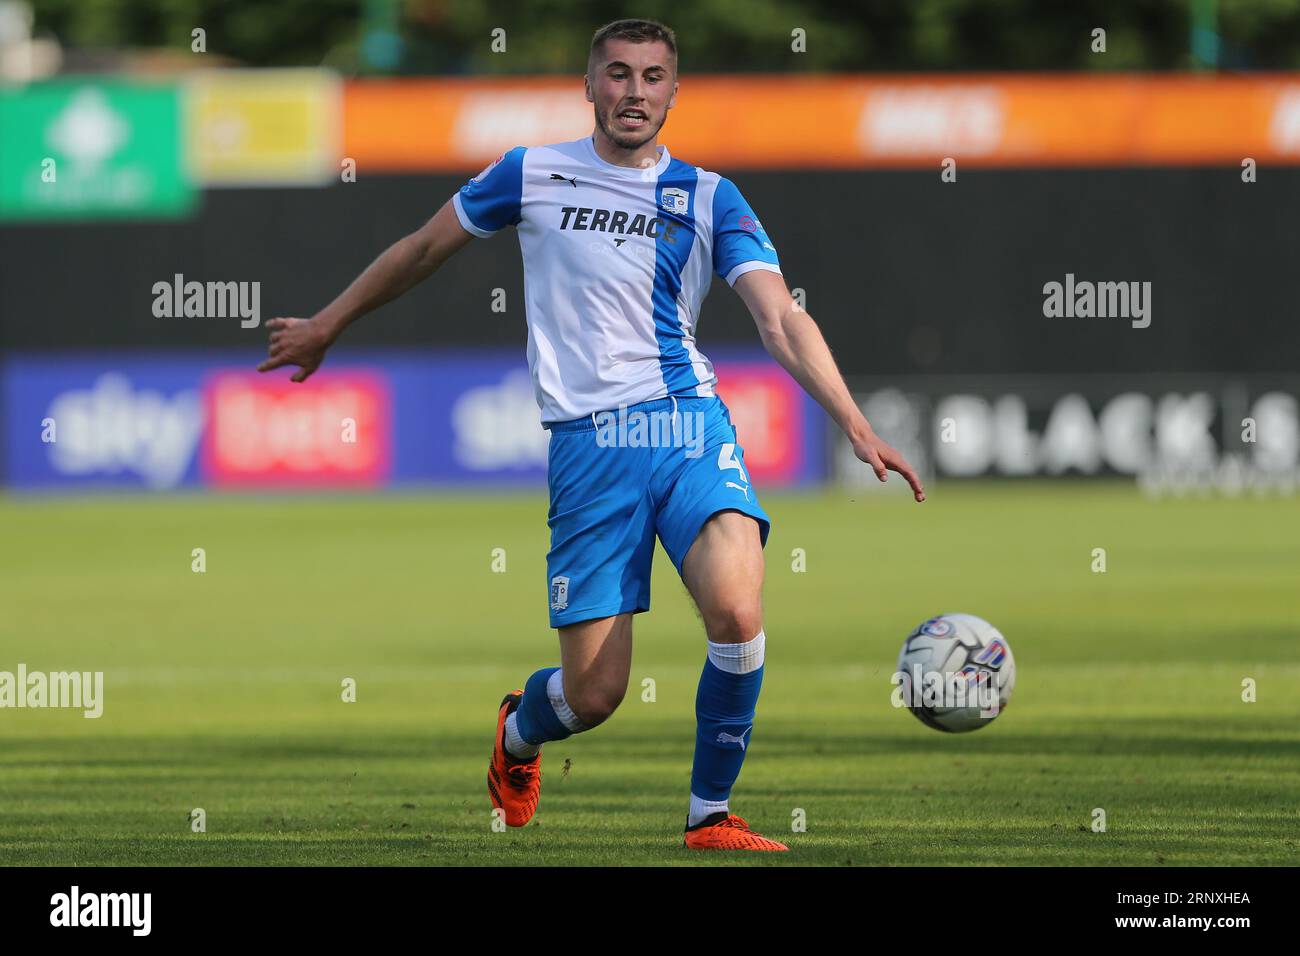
x,y
632,86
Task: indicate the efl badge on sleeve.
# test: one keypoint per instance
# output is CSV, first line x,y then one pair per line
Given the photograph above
x,y
488,168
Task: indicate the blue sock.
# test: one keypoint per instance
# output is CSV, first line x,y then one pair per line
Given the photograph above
x,y
724,713
543,713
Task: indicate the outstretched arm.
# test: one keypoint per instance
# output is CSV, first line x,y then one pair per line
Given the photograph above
x,y
792,338
404,264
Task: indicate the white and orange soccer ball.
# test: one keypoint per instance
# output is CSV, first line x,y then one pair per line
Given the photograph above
x,y
955,672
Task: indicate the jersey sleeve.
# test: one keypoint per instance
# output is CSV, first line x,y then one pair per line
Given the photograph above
x,y
740,244
492,199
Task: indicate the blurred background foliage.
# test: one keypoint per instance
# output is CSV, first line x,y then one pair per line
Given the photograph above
x,y
551,36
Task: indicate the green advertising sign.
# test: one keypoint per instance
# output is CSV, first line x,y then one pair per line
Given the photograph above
x,y
80,149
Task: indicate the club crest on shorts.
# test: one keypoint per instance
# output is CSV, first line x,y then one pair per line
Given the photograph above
x,y
559,592
675,200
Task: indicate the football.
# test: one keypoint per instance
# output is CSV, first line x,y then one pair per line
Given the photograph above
x,y
955,673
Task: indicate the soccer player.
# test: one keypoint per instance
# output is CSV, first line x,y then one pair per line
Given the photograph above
x,y
620,242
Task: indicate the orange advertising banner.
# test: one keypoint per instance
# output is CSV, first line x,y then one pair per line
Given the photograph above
x,y
845,122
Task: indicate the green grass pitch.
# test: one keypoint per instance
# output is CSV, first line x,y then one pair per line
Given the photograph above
x,y
223,689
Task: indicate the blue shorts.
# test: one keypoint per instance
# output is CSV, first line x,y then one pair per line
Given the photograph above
x,y
620,477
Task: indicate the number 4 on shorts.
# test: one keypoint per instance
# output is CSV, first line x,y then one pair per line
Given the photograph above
x,y
727,459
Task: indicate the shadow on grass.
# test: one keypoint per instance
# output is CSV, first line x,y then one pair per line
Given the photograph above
x,y
1155,737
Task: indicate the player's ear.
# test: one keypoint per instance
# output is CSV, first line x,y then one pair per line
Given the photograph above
x,y
672,100
586,82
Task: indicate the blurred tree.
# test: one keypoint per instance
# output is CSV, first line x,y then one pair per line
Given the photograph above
x,y
547,36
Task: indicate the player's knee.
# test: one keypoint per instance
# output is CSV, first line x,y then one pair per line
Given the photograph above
x,y
735,622
596,703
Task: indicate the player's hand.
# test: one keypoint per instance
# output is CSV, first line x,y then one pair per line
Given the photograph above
x,y
300,342
883,459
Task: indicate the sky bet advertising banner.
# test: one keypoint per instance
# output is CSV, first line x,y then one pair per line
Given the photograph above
x,y
174,420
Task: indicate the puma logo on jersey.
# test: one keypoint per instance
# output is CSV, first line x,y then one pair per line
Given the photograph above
x,y
565,179
732,484
726,738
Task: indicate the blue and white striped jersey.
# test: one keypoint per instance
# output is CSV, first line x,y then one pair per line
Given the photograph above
x,y
616,264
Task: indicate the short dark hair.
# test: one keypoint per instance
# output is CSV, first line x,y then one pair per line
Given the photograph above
x,y
635,31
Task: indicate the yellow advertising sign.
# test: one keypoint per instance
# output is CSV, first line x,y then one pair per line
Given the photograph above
x,y
264,127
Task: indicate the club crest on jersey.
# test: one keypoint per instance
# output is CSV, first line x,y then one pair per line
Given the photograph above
x,y
559,593
675,200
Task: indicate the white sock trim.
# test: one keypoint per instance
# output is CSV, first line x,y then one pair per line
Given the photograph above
x,y
738,658
516,744
555,691
700,809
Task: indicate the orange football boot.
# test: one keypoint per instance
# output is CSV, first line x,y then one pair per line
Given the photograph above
x,y
514,785
726,831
